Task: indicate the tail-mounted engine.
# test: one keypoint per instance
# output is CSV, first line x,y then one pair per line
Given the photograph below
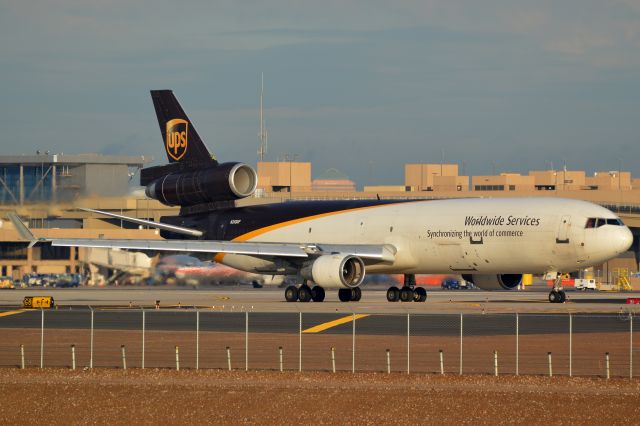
x,y
335,271
178,184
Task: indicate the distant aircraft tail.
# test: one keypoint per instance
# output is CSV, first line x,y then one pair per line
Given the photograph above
x,y
181,140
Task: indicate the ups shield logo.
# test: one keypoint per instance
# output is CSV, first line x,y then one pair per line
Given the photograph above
x,y
177,138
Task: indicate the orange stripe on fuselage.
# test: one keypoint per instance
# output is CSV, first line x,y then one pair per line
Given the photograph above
x,y
260,231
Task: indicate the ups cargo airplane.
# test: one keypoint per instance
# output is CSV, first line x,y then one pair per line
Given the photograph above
x,y
332,244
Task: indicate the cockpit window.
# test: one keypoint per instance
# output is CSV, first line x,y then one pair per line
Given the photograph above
x,y
597,222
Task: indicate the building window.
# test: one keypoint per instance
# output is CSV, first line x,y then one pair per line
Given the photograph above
x,y
512,187
13,251
49,252
489,188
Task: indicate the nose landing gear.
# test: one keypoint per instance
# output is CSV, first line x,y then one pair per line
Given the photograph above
x,y
557,294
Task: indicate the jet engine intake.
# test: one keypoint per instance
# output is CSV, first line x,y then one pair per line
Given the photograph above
x,y
335,271
494,282
224,182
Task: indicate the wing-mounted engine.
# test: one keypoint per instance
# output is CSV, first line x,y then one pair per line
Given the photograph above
x,y
179,184
335,271
494,282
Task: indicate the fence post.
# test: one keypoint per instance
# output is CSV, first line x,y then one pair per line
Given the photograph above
x,y
246,341
495,363
333,359
570,345
606,359
91,341
461,329
73,357
408,342
550,365
143,329
280,353
41,338
197,339
441,362
229,358
300,341
22,357
124,357
630,346
177,358
517,344
388,361
353,344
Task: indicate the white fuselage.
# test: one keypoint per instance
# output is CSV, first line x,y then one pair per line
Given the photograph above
x,y
503,235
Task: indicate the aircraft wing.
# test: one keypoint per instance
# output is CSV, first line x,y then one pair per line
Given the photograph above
x,y
381,252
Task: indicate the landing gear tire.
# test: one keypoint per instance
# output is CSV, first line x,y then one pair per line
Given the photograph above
x,y
393,294
563,296
291,294
317,294
356,294
304,293
344,294
557,296
419,295
406,294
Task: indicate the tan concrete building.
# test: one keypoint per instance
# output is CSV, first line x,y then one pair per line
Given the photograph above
x,y
284,176
503,182
434,177
343,185
613,180
549,180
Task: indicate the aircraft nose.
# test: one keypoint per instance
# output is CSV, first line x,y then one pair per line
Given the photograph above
x,y
623,239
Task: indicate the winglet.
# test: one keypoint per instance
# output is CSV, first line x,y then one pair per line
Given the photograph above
x,y
23,231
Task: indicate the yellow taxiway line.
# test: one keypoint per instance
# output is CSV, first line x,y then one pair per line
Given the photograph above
x,y
6,314
321,327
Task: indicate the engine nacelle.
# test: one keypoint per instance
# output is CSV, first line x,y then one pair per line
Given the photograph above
x,y
224,182
495,282
335,271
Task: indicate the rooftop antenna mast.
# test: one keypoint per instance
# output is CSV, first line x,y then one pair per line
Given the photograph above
x,y
262,136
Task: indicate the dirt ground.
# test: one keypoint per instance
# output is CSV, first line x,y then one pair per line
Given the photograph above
x,y
155,396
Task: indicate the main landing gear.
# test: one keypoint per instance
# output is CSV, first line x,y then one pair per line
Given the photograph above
x,y
557,294
304,293
408,293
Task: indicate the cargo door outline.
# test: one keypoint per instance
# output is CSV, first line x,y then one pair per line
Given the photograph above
x,y
454,256
564,229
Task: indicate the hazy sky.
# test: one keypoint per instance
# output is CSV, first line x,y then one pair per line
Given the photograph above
x,y
361,86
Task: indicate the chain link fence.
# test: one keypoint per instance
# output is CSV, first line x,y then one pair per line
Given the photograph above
x,y
497,344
